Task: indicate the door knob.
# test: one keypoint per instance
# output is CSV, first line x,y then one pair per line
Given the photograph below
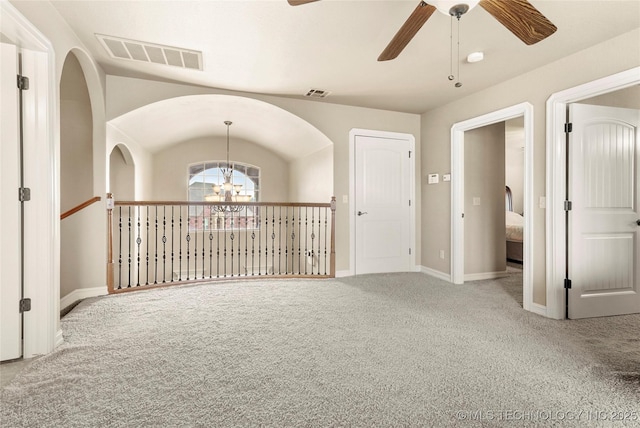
x,y
363,213
638,222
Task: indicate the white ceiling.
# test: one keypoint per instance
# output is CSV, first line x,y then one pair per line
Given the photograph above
x,y
270,47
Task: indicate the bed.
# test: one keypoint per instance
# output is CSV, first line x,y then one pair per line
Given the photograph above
x,y
514,224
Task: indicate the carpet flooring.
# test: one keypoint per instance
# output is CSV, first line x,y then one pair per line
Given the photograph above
x,y
373,350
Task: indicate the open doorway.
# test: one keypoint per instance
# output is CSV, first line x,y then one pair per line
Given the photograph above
x,y
460,197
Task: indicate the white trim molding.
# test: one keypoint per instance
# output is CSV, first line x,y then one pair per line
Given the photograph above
x,y
435,273
485,275
80,294
457,192
556,178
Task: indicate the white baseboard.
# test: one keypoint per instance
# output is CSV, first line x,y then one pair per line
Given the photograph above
x,y
537,308
484,275
81,293
343,273
58,339
435,273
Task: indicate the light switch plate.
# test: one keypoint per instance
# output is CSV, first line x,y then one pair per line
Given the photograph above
x,y
476,201
446,177
434,178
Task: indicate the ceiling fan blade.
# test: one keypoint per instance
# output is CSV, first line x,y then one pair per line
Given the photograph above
x,y
299,2
409,29
521,18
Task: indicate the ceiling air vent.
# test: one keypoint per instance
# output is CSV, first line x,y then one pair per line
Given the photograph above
x,y
150,52
317,93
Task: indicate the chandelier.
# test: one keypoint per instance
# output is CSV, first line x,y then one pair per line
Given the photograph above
x,y
225,192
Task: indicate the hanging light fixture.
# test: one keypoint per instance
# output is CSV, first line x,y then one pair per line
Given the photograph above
x,y
225,192
455,8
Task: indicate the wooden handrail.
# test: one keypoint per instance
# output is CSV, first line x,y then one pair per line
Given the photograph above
x,y
80,207
233,204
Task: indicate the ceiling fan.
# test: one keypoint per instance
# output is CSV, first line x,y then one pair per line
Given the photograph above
x,y
518,16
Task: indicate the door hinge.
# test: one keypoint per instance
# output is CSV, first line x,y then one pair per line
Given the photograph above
x,y
25,305
23,83
567,205
568,127
409,154
462,215
24,194
409,202
567,283
409,251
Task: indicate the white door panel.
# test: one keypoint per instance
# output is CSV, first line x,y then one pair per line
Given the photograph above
x,y
383,188
603,185
10,294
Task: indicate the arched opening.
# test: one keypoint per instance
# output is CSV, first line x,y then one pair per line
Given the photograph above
x,y
122,173
76,136
76,179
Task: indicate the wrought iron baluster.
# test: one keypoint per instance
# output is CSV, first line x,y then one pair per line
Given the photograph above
x,y
164,244
279,240
306,237
232,236
224,265
203,242
195,244
130,247
155,257
210,242
246,238
120,248
299,239
180,245
253,243
273,239
188,238
173,239
217,246
326,215
147,243
286,241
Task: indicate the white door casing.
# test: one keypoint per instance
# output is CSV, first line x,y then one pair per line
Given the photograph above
x,y
556,186
10,293
457,196
383,194
603,188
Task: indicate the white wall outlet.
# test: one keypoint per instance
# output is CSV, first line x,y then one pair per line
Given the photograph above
x,y
434,178
446,177
442,254
345,199
476,201
543,202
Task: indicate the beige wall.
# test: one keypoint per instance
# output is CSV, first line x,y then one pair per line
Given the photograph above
x,y
514,161
311,177
534,87
122,175
76,130
484,219
170,167
333,120
625,98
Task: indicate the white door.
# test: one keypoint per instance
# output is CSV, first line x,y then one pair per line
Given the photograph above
x,y
383,199
10,293
604,184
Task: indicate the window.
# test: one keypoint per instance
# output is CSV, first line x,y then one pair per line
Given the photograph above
x,y
202,177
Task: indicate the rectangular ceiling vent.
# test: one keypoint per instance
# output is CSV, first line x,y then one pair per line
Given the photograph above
x,y
150,52
317,93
